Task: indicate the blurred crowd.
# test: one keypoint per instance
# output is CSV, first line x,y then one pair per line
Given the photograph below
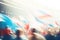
x,y
31,34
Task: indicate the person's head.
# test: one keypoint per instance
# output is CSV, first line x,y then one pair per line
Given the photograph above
x,y
59,29
33,30
18,32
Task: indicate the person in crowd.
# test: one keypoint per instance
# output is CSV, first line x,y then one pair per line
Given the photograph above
x,y
1,34
50,36
7,34
20,35
58,35
35,36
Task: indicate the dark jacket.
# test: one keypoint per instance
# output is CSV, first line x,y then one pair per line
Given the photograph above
x,y
50,37
58,36
7,37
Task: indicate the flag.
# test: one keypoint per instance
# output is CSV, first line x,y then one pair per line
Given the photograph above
x,y
8,21
27,26
51,25
40,21
45,15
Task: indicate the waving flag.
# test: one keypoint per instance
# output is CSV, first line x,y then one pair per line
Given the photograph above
x,y
45,15
27,27
8,22
40,21
51,25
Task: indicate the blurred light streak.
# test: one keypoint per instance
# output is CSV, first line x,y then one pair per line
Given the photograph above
x,y
45,15
10,5
57,23
44,23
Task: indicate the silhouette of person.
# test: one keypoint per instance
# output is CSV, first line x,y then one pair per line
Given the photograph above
x,y
7,34
18,35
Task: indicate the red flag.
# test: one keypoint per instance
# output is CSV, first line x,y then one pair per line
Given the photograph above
x,y
27,26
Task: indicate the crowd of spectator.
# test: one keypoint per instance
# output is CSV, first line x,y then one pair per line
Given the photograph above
x,y
32,34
